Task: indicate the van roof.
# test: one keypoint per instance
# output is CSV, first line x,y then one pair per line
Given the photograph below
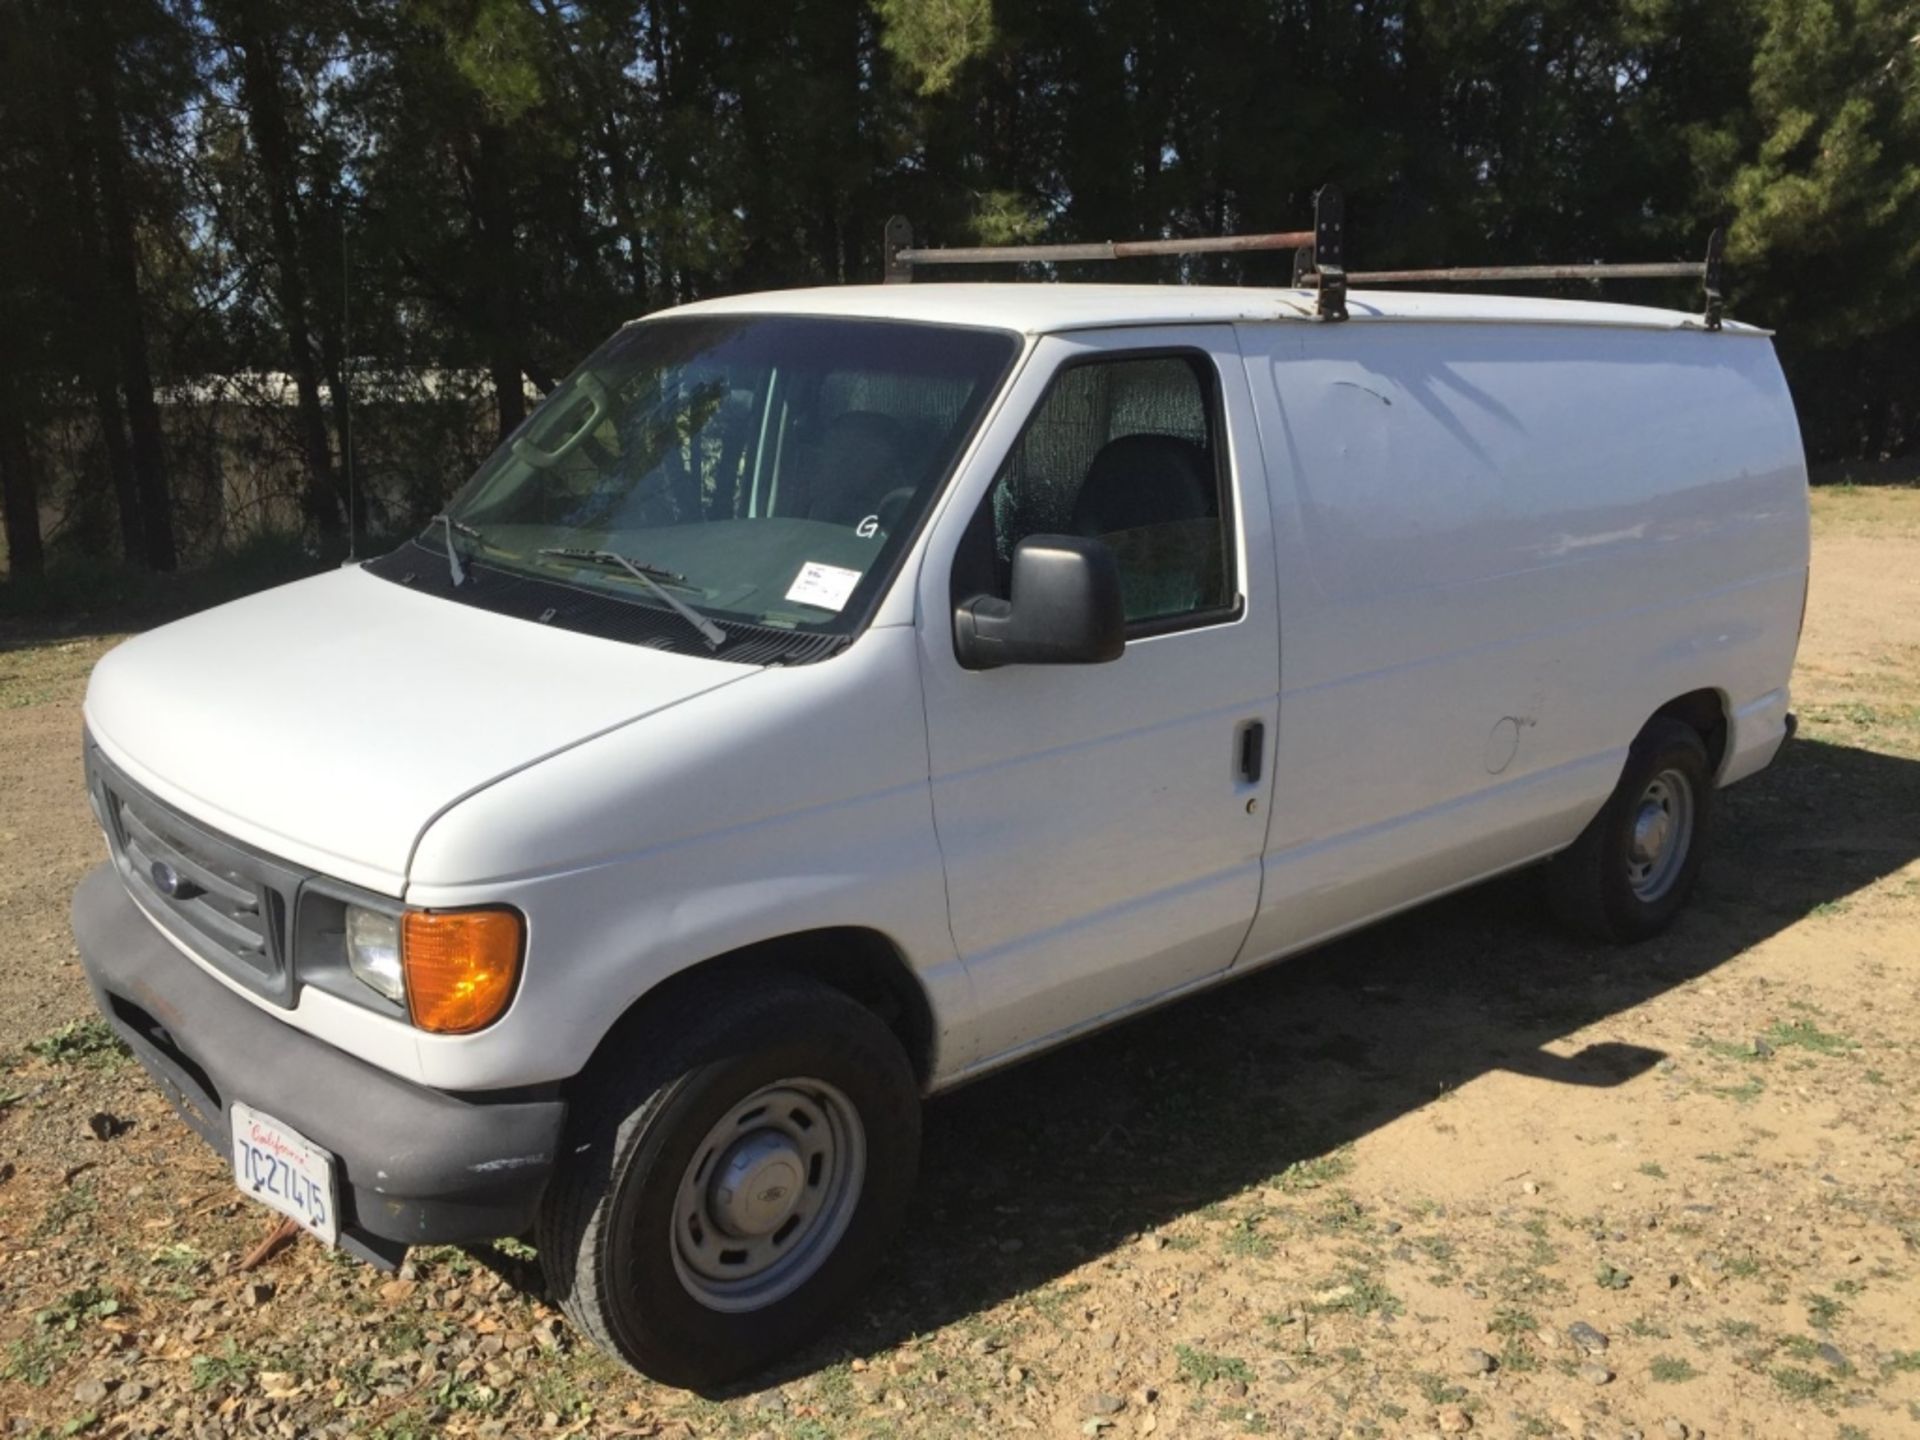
x,y
1047,308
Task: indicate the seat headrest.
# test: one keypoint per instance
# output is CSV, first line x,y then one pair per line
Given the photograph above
x,y
1141,480
859,460
857,432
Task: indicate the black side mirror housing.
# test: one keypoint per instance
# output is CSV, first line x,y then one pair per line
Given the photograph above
x,y
1066,609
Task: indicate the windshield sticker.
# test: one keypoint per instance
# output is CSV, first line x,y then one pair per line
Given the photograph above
x,y
826,586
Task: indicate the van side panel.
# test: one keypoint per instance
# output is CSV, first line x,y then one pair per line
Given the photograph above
x,y
1501,548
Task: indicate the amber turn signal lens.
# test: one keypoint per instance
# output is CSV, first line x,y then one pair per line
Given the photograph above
x,y
461,966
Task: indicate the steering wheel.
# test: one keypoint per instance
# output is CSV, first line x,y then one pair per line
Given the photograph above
x,y
588,384
892,505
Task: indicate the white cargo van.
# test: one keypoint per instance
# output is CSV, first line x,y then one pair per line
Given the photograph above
x,y
829,696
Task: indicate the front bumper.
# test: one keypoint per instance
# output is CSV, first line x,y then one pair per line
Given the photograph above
x,y
417,1166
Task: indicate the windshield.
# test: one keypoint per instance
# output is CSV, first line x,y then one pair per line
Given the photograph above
x,y
766,470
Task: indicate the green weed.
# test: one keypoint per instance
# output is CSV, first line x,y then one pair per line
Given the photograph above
x,y
1357,1293
1311,1174
78,1307
1823,1310
1517,1357
1671,1370
1203,1367
1245,1242
1510,1321
231,1367
1437,1391
1742,1094
1805,1035
33,1358
1798,1384
81,1042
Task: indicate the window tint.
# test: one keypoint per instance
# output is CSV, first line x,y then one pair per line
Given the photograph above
x,y
1125,451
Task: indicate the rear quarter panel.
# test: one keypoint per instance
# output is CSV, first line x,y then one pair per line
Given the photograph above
x,y
1501,549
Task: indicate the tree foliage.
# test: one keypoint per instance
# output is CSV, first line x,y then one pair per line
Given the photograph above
x,y
270,260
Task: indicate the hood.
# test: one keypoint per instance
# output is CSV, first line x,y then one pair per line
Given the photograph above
x,y
329,721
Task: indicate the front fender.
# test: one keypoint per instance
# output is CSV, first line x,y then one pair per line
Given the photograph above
x,y
796,800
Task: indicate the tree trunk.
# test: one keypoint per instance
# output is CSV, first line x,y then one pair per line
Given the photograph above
x,y
265,103
123,278
19,492
509,391
622,175
112,421
334,327
333,356
91,324
493,222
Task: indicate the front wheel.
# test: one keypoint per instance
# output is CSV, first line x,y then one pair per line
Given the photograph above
x,y
723,1196
1633,867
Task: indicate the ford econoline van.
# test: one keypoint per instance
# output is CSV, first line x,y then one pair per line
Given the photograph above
x,y
827,697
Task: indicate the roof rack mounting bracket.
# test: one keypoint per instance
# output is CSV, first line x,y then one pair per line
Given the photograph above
x,y
897,237
1303,268
1330,251
1710,279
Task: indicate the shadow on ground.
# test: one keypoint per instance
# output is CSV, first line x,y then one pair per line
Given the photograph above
x,y
1077,1152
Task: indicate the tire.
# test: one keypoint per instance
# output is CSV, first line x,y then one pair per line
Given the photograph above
x,y
1605,885
695,1282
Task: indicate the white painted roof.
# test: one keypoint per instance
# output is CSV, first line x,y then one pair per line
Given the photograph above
x,y
1045,307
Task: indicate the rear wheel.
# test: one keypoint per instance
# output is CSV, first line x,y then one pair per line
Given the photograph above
x,y
1633,867
723,1196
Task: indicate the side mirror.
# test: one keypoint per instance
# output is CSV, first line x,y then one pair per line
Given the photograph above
x,y
1065,610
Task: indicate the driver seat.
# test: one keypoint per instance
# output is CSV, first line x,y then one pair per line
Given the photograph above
x,y
857,465
1155,501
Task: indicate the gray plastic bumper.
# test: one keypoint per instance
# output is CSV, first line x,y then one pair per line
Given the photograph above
x,y
418,1166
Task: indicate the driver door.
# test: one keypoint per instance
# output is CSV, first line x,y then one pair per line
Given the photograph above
x,y
1102,825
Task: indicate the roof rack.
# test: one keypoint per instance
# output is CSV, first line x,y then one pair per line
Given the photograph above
x,y
1319,260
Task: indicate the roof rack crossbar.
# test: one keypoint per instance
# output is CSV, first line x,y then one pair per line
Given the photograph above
x,y
1318,263
904,255
1468,274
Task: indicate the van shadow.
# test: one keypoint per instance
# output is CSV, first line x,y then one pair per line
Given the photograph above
x,y
1030,1174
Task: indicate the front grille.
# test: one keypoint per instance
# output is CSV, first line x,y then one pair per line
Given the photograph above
x,y
224,901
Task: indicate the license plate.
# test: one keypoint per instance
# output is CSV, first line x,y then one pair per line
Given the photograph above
x,y
277,1164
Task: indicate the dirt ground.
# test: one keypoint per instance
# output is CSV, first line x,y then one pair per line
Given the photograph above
x,y
1455,1174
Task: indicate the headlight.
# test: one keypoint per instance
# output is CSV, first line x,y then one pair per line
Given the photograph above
x,y
373,952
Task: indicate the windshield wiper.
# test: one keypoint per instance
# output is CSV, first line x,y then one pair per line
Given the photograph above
x,y
645,574
449,526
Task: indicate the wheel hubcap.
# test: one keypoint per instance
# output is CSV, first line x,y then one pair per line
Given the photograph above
x,y
768,1194
1661,836
756,1184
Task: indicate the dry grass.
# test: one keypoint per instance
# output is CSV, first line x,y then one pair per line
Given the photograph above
x,y
1289,1208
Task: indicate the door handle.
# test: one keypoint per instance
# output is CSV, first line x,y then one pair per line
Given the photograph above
x,y
1253,749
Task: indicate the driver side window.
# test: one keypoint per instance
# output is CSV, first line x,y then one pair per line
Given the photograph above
x,y
1126,451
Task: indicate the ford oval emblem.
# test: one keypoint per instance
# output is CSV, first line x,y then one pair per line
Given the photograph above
x,y
166,879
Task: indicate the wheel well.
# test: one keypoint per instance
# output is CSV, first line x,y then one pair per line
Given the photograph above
x,y
862,964
1706,712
